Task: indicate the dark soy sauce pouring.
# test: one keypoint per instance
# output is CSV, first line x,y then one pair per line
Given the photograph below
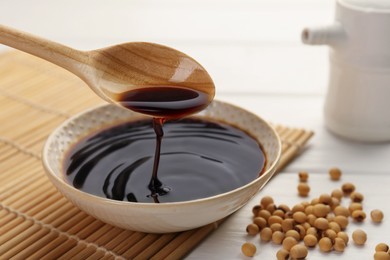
x,y
164,103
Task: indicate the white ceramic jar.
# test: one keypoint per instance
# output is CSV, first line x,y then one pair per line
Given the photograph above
x,y
357,104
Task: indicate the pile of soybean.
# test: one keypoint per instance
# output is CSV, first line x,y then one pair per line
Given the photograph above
x,y
320,222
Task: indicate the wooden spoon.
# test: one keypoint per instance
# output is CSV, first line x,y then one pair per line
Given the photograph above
x,y
118,69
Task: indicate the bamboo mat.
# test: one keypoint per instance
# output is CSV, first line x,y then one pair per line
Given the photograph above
x,y
36,221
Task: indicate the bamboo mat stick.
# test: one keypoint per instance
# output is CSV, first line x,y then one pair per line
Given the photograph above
x,y
18,171
105,237
110,257
5,217
30,199
44,201
290,153
111,245
62,221
73,221
18,181
22,194
7,153
17,235
37,245
99,236
72,253
26,244
3,213
85,252
81,224
90,229
140,246
60,207
169,248
153,248
128,242
22,101
98,254
61,243
189,244
14,222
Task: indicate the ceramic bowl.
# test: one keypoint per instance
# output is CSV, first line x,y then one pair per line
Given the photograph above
x,y
163,217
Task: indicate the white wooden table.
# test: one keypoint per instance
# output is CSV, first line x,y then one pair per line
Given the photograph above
x,y
253,51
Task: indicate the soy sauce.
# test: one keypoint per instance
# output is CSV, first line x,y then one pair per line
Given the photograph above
x,y
165,101
199,158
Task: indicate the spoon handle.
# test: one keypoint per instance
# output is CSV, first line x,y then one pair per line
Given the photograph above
x,y
56,53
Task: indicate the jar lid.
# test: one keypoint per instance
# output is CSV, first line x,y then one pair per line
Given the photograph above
x,y
377,5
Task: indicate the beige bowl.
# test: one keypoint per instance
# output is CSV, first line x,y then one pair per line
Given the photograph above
x,y
164,217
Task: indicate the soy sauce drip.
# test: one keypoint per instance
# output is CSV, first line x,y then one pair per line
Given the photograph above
x,y
155,185
163,102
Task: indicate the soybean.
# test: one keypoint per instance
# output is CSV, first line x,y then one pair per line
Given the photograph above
x,y
356,196
274,219
382,247
298,208
260,222
299,217
266,234
312,231
339,244
325,244
310,240
289,242
276,227
252,229
303,176
256,210
348,188
265,214
359,237
271,208
278,212
331,234
325,199
284,208
341,211
287,224
337,193
282,254
342,221
278,237
355,206
266,200
376,215
334,226
381,256
303,189
321,210
359,215
335,174
343,236
298,252
301,231
321,224
294,234
248,249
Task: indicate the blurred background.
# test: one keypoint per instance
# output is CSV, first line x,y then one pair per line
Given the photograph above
x,y
248,46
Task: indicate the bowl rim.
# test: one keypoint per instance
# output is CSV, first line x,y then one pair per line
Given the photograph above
x,y
81,194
